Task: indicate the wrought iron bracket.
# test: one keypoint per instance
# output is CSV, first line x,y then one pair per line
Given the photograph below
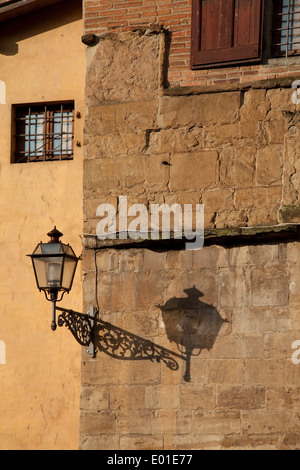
x,y
80,325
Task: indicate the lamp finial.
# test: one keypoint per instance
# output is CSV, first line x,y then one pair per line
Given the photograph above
x,y
54,235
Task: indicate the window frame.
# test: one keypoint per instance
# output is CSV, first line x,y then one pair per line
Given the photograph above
x,y
48,152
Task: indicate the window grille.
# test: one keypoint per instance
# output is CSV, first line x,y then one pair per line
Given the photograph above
x,y
44,132
286,28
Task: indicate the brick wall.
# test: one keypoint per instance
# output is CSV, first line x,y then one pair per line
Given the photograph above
x,y
101,16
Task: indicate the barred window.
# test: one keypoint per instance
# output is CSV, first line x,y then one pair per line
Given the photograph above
x,y
43,132
286,28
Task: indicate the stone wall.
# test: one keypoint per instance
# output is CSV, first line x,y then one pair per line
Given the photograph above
x,y
194,347
234,150
234,310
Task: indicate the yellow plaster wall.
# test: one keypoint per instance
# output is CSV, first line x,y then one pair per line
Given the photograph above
x,y
41,59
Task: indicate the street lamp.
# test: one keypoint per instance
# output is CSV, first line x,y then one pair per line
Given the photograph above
x,y
54,264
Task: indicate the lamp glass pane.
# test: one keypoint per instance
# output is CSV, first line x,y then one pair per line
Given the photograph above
x,y
48,271
68,250
51,248
68,274
54,270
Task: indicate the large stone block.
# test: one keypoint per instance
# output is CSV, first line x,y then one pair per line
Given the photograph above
x,y
269,288
195,397
280,101
199,110
237,166
117,144
226,371
175,140
241,397
127,398
216,422
265,422
157,172
114,175
194,171
270,372
250,442
98,423
255,106
269,165
218,200
124,68
136,422
113,118
283,398
221,135
234,287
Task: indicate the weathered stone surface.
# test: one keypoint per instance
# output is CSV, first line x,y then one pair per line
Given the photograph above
x,y
115,118
124,68
105,174
240,397
175,140
269,288
237,167
252,442
241,391
269,165
265,422
202,109
255,106
196,170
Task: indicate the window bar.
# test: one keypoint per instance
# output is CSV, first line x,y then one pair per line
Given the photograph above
x,y
288,30
61,130
45,124
29,131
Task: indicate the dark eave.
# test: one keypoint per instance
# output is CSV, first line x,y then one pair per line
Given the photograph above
x,y
13,8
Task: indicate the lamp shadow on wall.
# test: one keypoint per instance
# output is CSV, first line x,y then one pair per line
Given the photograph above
x,y
192,324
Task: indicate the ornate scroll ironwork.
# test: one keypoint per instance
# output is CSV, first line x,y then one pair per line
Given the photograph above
x,y
79,324
126,346
114,341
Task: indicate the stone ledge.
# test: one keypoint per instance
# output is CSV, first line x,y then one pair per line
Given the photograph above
x,y
213,236
284,82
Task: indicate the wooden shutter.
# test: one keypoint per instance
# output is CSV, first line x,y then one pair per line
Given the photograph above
x,y
226,31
